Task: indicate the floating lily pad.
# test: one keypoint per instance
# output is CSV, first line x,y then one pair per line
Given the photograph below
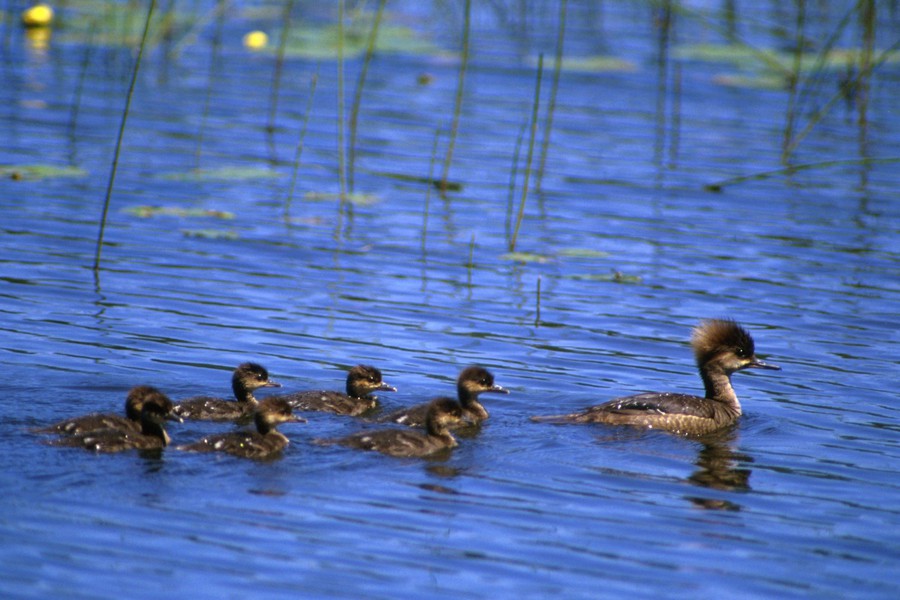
x,y
145,211
224,174
527,257
591,64
34,172
358,199
211,234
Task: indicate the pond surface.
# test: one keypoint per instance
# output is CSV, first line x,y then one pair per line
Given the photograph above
x,y
244,253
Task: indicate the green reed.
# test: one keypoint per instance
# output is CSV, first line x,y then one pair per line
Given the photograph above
x,y
279,70
471,264
793,80
79,88
357,96
554,88
527,177
214,64
513,174
342,158
431,163
298,151
118,150
457,107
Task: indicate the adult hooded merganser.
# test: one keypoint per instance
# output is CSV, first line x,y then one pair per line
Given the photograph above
x,y
721,347
156,410
471,382
96,421
246,378
442,413
265,442
362,380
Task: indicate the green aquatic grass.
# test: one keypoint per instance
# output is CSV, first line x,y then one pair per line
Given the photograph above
x,y
743,56
761,81
322,42
613,277
534,257
116,24
450,186
582,253
146,212
357,199
38,172
593,64
527,257
210,234
224,174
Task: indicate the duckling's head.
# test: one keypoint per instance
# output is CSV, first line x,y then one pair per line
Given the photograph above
x,y
134,402
724,344
272,412
362,380
442,413
251,376
477,380
156,410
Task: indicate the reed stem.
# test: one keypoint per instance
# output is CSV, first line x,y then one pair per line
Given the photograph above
x,y
342,158
793,82
457,107
534,117
298,152
279,69
537,316
357,96
554,88
118,150
513,173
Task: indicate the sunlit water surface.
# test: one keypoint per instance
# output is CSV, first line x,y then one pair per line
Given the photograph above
x,y
800,500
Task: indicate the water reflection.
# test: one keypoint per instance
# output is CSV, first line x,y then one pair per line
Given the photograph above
x,y
719,467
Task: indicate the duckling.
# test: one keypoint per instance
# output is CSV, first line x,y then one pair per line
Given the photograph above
x,y
442,413
362,380
721,347
265,442
156,410
246,378
96,421
471,382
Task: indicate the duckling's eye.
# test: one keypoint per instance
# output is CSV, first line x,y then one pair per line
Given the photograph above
x,y
741,352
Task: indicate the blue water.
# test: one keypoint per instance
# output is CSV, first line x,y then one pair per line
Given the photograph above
x,y
801,500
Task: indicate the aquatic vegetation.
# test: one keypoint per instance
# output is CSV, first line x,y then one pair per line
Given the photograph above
x,y
210,234
582,253
224,174
744,56
37,172
121,24
527,257
146,211
323,41
615,277
594,64
358,198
